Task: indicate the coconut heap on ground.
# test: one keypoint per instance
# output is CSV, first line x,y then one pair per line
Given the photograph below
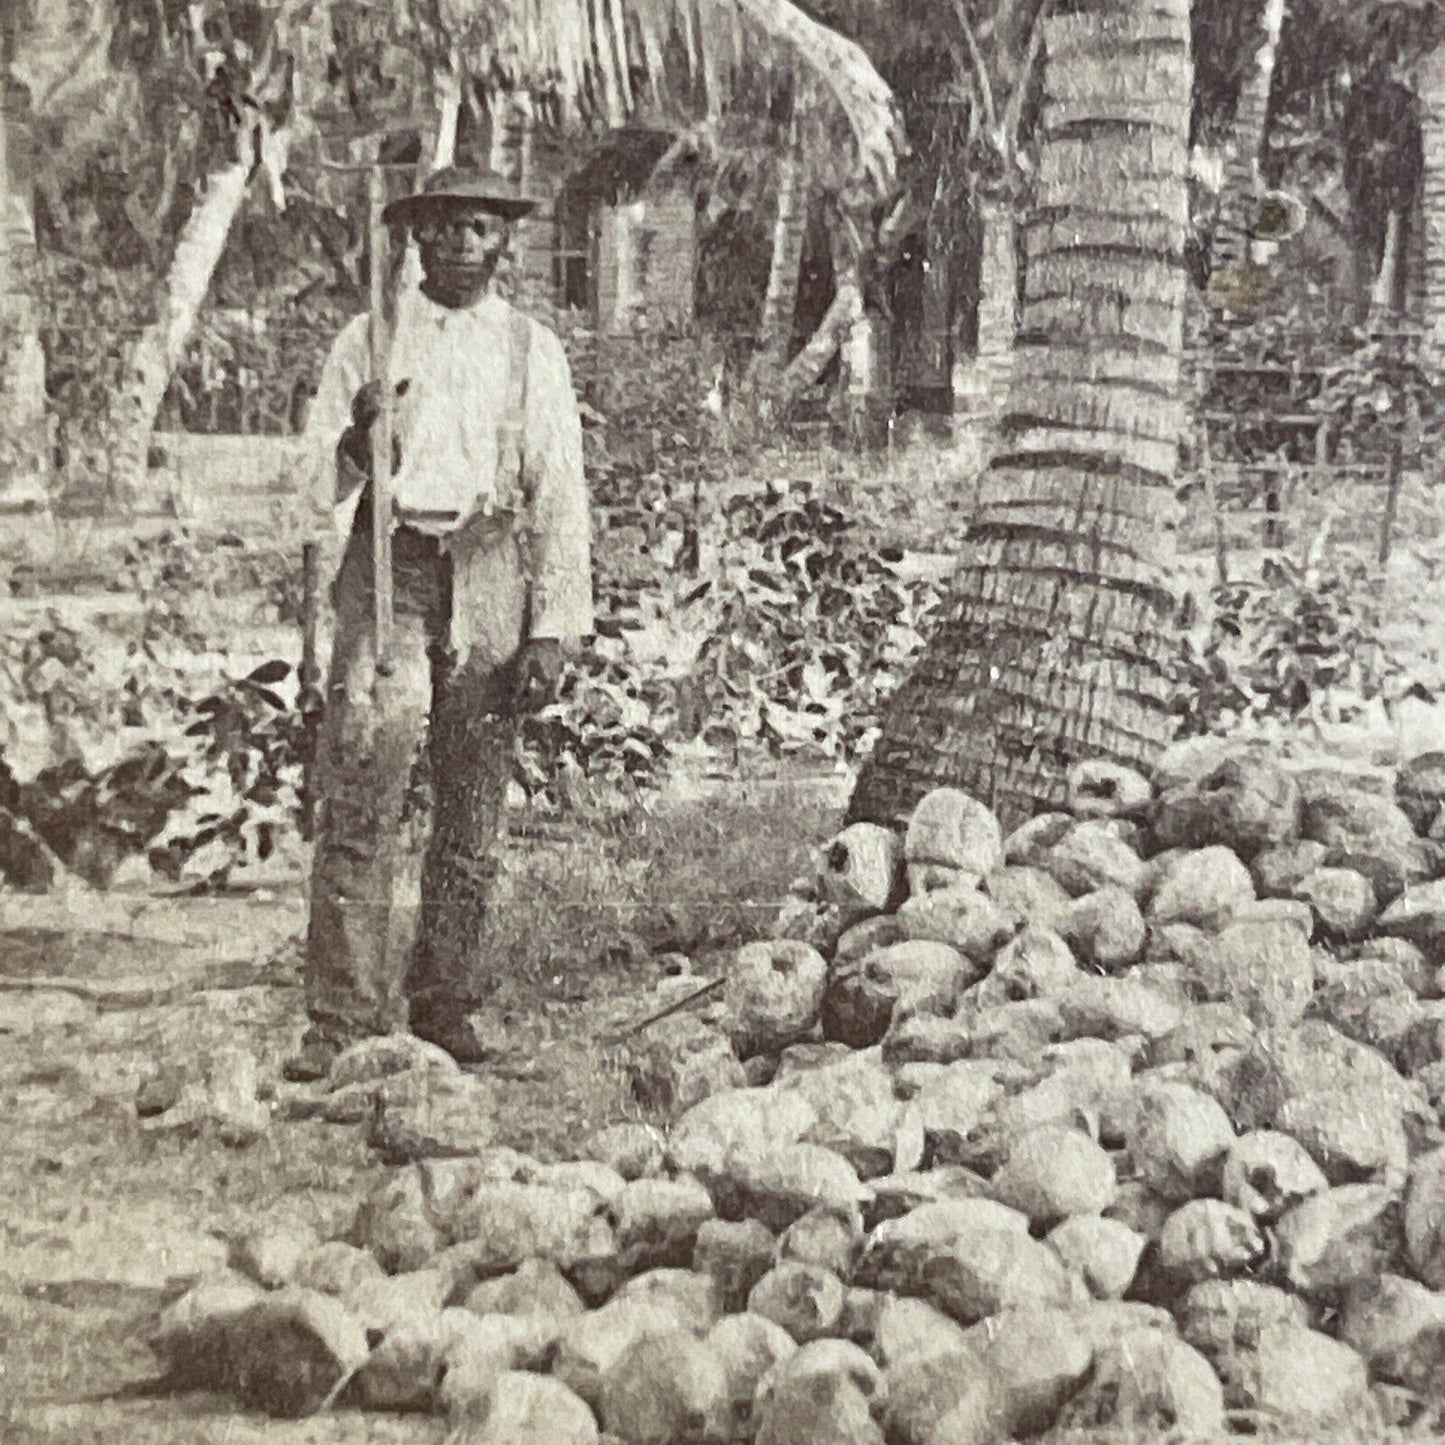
x,y
1128,1119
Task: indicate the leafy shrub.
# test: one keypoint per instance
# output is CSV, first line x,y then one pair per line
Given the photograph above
x,y
200,779
785,645
128,737
1278,643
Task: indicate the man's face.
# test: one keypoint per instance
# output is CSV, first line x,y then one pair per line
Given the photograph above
x,y
460,250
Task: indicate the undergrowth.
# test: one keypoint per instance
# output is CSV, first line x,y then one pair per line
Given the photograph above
x,y
606,894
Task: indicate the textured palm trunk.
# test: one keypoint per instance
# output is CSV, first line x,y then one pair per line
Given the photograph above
x,y
1242,182
22,358
997,300
1387,296
1055,640
840,324
780,301
1414,283
935,347
161,345
864,381
1431,251
862,368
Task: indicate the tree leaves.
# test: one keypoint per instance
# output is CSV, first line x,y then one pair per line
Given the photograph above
x,y
270,673
605,59
788,643
136,742
63,58
1281,644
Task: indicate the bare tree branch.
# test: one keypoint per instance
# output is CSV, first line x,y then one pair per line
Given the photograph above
x,y
976,60
148,222
1013,111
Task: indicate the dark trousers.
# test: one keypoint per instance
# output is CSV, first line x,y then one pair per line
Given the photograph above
x,y
370,959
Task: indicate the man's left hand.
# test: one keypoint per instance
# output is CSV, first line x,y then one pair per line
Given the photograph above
x,y
539,671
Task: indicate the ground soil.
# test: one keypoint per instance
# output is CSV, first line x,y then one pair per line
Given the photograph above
x,y
103,1219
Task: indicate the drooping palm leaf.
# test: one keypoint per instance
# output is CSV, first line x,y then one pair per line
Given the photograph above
x,y
605,57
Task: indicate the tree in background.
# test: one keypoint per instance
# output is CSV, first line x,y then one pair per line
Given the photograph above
x,y
1055,642
1241,108
790,223
22,357
1341,127
79,76
1430,84
965,77
161,116
250,98
155,119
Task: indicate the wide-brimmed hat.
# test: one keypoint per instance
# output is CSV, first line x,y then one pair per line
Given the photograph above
x,y
456,188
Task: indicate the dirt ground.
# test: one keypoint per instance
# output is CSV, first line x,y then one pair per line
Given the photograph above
x,y
104,1219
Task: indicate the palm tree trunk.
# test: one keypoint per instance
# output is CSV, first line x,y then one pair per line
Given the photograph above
x,y
22,358
1414,280
1246,146
780,301
936,346
862,345
1054,644
161,345
841,321
1386,296
843,314
997,299
1430,85
984,375
866,378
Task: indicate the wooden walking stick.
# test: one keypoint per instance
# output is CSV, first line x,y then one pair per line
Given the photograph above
x,y
309,695
379,343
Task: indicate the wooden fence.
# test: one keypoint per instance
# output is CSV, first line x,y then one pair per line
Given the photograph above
x,y
1273,466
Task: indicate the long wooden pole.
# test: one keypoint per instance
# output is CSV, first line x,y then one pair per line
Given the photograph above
x,y
379,342
310,680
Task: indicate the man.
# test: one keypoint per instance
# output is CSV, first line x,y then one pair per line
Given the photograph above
x,y
491,576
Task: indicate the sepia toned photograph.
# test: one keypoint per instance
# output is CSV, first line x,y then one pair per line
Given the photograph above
x,y
722,722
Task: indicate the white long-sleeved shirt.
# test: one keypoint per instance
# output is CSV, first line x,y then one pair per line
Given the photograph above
x,y
458,453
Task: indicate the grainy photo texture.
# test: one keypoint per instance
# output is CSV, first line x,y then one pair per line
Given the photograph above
x,y
721,722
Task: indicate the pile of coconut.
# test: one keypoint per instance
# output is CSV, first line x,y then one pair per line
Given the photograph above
x,y
1127,1119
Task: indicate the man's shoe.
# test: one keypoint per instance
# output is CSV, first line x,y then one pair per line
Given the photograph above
x,y
312,1061
455,1033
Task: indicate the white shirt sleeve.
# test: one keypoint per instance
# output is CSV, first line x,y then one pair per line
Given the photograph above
x,y
560,515
329,414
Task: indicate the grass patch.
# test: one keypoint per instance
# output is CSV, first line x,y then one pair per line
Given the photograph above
x,y
590,905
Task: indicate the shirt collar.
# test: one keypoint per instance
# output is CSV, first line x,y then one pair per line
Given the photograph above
x,y
491,307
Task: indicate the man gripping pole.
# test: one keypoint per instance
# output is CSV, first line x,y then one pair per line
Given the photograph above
x,y
441,647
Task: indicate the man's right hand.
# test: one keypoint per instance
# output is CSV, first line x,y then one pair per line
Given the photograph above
x,y
355,445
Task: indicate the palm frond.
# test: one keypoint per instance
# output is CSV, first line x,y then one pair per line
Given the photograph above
x,y
594,56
